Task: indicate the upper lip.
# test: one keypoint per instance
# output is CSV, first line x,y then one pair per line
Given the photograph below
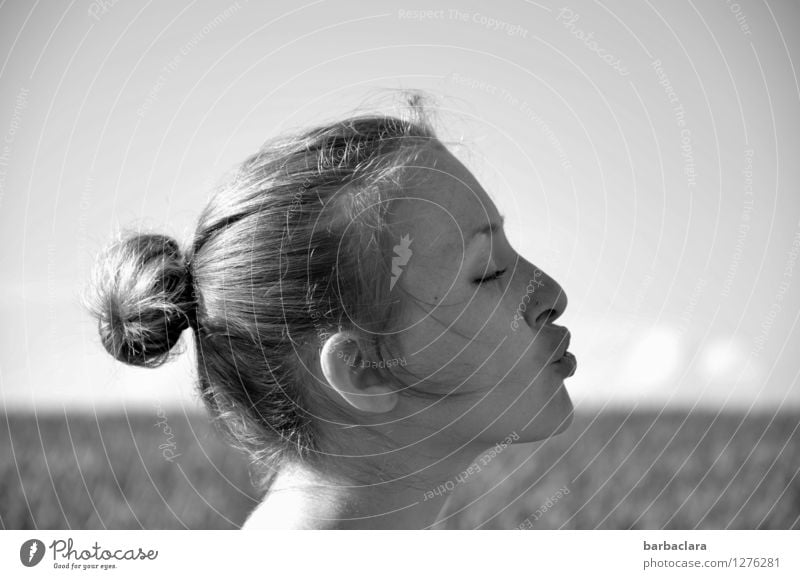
x,y
564,343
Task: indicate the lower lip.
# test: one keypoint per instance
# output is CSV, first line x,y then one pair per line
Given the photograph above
x,y
567,364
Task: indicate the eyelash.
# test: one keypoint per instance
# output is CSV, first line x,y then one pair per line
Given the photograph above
x,y
495,276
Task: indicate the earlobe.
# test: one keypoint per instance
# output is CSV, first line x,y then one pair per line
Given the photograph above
x,y
362,387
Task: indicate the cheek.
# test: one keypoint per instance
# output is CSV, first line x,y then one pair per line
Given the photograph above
x,y
470,338
453,356
433,352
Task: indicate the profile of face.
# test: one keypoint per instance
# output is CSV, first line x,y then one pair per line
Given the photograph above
x,y
478,317
476,325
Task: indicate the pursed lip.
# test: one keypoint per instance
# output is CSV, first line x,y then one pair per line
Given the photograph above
x,y
564,342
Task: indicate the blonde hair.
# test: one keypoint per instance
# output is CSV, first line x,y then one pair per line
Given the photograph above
x,y
294,247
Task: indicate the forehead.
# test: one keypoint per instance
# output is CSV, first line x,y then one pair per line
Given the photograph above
x,y
433,221
443,206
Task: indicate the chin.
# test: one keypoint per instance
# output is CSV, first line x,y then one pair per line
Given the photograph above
x,y
566,422
554,419
567,412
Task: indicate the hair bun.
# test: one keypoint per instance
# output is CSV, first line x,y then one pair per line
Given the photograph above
x,y
143,298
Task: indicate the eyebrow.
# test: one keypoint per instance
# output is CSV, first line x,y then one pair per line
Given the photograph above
x,y
488,228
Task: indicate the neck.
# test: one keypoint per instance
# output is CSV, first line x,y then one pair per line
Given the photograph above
x,y
406,489
415,498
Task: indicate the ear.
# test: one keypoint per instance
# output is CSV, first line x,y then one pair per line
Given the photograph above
x,y
363,387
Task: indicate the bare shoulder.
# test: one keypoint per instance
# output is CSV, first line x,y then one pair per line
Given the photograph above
x,y
301,498
295,509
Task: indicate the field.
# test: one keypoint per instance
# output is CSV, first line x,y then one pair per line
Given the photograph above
x,y
609,471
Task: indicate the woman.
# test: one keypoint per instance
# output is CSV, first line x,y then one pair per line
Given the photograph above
x,y
363,328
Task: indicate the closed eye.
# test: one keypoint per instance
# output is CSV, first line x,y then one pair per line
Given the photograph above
x,y
496,275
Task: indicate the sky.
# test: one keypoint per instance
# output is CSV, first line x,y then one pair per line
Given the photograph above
x,y
645,155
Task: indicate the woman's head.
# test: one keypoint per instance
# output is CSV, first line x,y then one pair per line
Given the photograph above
x,y
331,283
478,317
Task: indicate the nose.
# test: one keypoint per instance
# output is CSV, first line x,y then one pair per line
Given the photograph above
x,y
548,299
